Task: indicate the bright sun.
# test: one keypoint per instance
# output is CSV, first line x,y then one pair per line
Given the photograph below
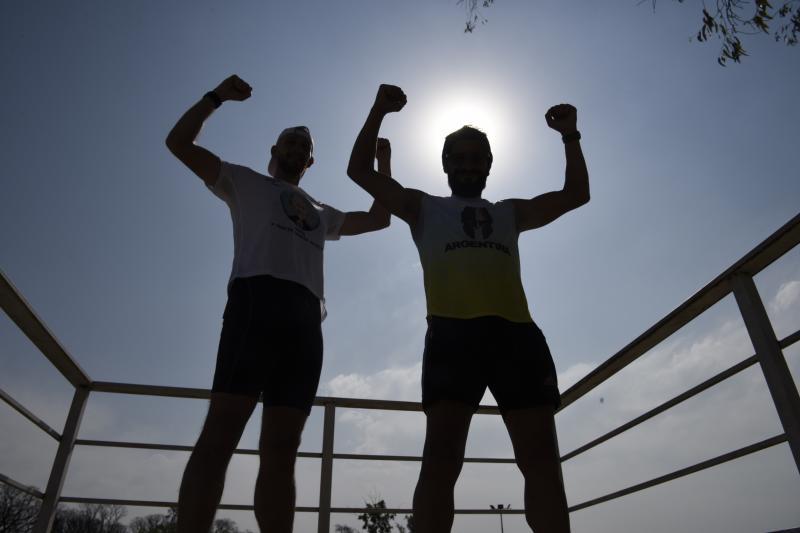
x,y
449,113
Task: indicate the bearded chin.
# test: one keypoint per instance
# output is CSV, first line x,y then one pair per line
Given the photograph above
x,y
288,167
466,190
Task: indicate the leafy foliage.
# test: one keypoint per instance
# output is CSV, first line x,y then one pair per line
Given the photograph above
x,y
377,520
733,18
474,16
728,20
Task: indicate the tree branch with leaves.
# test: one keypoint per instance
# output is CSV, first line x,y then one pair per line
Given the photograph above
x,y
728,21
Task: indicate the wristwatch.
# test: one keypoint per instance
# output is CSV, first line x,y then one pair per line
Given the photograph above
x,y
214,97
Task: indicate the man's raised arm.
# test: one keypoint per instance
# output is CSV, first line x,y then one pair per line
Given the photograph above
x,y
378,217
401,202
545,208
180,140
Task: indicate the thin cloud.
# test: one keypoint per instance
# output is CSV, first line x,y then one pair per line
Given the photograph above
x,y
787,296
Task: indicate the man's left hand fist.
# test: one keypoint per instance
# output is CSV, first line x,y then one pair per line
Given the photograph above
x,y
563,118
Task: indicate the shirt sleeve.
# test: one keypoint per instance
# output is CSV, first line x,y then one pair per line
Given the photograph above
x,y
223,187
333,222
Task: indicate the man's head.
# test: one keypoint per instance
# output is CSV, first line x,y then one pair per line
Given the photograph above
x,y
292,153
467,159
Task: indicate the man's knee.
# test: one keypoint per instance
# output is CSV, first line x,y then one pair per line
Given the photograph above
x,y
281,444
217,443
539,469
442,462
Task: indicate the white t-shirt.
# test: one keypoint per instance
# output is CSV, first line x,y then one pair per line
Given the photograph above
x,y
278,229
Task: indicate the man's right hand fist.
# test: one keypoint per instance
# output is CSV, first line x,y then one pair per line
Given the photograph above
x,y
390,99
233,88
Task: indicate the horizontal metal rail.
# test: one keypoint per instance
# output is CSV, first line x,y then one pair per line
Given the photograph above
x,y
33,491
29,323
319,401
720,459
703,465
730,456
170,447
150,390
30,416
771,249
304,455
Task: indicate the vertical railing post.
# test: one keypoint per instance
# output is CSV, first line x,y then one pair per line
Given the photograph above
x,y
58,473
770,356
326,469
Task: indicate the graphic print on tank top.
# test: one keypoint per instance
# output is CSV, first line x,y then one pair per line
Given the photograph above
x,y
476,221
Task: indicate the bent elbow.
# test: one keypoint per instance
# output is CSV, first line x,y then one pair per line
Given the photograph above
x,y
574,199
356,174
353,172
172,145
581,197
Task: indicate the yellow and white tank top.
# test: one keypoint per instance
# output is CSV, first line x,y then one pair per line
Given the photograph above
x,y
470,259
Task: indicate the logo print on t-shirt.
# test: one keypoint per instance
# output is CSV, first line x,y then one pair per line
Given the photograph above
x,y
299,210
476,219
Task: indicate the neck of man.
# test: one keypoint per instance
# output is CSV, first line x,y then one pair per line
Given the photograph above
x,y
463,197
468,191
294,179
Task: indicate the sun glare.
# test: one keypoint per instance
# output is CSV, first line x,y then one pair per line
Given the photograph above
x,y
452,111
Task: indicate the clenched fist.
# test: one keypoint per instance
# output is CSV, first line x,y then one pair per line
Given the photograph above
x,y
233,88
563,118
383,150
389,99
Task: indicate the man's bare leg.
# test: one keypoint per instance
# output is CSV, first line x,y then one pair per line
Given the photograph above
x,y
533,435
204,477
445,440
281,428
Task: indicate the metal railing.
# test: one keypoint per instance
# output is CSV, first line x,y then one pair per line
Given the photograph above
x,y
738,279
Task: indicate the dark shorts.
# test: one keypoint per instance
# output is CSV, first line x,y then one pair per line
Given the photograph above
x,y
464,356
271,342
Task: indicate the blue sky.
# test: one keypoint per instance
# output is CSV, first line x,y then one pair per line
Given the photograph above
x,y
125,254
